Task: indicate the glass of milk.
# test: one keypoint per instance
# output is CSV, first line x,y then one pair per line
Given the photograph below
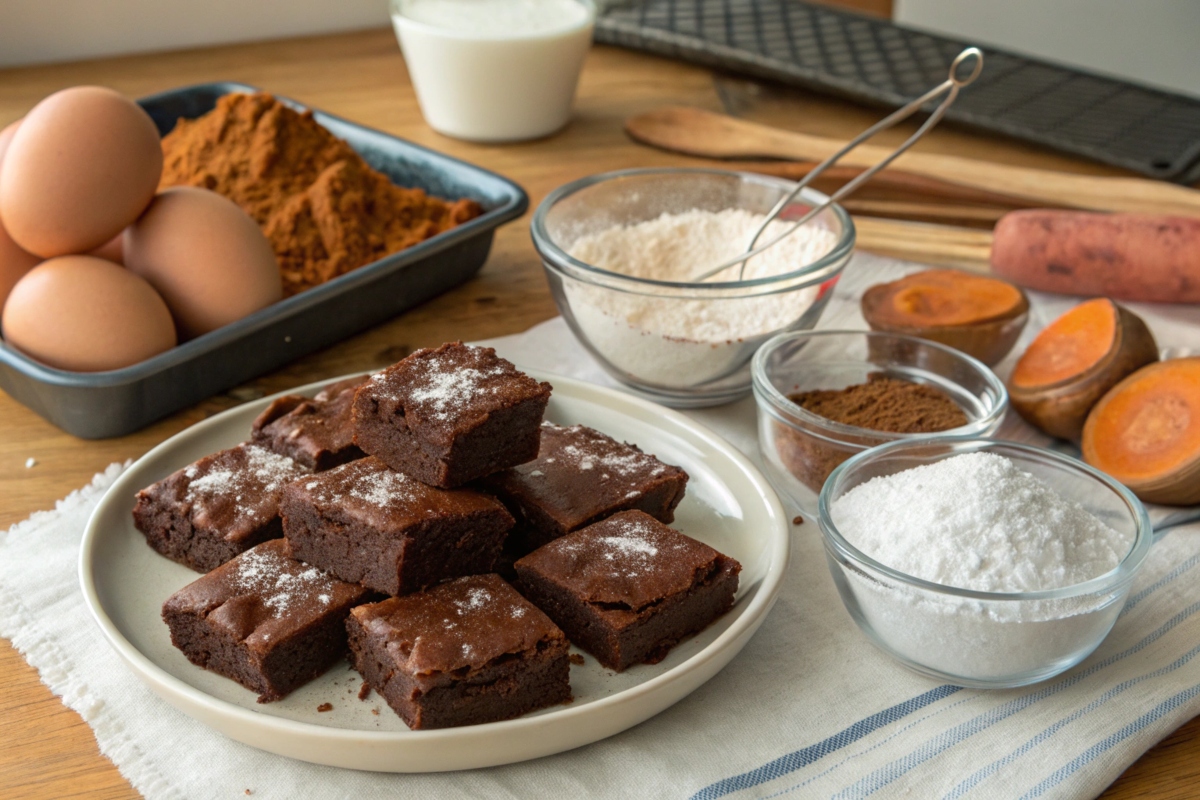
x,y
494,70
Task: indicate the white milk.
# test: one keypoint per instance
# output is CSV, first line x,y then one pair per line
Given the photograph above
x,y
494,70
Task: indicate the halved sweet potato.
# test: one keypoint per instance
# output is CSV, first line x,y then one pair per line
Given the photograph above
x,y
978,315
1146,432
1074,361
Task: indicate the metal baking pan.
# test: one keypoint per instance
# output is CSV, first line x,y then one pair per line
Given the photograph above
x,y
96,405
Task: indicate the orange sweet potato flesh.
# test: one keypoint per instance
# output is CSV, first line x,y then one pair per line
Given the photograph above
x,y
1072,344
1074,361
1146,257
1146,432
978,315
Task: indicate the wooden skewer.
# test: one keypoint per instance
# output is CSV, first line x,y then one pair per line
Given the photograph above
x,y
704,133
943,245
891,184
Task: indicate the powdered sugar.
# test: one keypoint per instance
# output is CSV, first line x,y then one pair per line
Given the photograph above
x,y
270,577
674,339
382,488
258,474
477,598
976,521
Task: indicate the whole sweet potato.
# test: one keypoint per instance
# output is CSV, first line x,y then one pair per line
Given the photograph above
x,y
1144,257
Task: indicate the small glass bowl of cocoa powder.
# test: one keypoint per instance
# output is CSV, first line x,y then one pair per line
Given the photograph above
x,y
824,396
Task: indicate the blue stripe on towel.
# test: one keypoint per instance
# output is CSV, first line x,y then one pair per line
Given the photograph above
x,y
1089,755
883,776
998,764
802,758
1183,567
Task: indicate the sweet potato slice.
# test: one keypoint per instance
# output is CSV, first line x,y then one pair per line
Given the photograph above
x,y
1146,432
978,315
1074,361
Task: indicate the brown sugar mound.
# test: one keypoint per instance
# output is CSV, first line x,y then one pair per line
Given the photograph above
x,y
323,208
885,404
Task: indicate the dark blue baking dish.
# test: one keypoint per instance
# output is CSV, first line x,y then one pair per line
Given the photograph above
x,y
96,405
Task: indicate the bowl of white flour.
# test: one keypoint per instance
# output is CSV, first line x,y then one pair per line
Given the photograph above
x,y
978,562
621,251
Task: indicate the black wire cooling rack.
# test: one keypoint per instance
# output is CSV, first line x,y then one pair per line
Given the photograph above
x,y
1152,132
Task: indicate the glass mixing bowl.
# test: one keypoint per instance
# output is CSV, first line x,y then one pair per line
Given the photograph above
x,y
650,334
800,449
983,639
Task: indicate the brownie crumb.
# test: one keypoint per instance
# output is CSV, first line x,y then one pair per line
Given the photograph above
x,y
325,707
248,792
576,659
797,520
364,691
375,711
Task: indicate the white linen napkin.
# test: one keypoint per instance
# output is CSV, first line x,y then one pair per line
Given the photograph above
x,y
809,708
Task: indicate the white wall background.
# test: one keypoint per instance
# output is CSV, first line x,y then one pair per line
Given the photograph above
x,y
39,31
1154,42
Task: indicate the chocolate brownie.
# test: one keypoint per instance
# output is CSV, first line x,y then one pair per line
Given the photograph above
x,y
582,476
462,653
224,504
368,524
317,433
264,620
450,415
627,589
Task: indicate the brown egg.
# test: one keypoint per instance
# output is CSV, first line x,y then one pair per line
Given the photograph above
x,y
83,164
6,137
206,257
14,262
85,314
113,250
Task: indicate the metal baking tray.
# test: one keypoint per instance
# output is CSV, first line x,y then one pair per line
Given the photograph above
x,y
97,405
806,44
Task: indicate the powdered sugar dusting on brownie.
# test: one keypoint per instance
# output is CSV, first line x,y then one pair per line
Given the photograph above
x,y
253,476
588,450
441,384
382,488
477,598
272,577
442,389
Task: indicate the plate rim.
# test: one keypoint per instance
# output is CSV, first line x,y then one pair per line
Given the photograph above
x,y
160,680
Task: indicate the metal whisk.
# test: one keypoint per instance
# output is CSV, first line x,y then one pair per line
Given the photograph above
x,y
971,58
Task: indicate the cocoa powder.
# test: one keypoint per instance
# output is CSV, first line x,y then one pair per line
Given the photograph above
x,y
885,404
323,208
881,404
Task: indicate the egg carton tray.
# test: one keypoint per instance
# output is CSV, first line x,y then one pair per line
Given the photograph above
x,y
104,404
870,60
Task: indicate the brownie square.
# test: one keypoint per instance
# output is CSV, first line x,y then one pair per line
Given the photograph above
x,y
580,477
450,415
317,433
264,620
627,589
368,524
224,504
462,653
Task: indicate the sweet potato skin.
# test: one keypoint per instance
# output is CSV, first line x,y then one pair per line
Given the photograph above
x,y
1139,257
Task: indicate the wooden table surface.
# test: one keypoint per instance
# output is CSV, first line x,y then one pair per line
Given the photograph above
x,y
47,751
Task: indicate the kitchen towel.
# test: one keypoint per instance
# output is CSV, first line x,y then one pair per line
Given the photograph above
x,y
808,709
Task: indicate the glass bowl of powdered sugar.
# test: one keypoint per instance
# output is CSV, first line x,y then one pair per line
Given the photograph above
x,y
978,562
621,252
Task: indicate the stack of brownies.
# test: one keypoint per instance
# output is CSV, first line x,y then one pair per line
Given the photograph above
x,y
390,517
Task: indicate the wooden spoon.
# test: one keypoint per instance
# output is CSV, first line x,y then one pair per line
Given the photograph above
x,y
698,132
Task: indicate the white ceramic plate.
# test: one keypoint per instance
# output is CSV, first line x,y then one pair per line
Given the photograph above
x,y
729,505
